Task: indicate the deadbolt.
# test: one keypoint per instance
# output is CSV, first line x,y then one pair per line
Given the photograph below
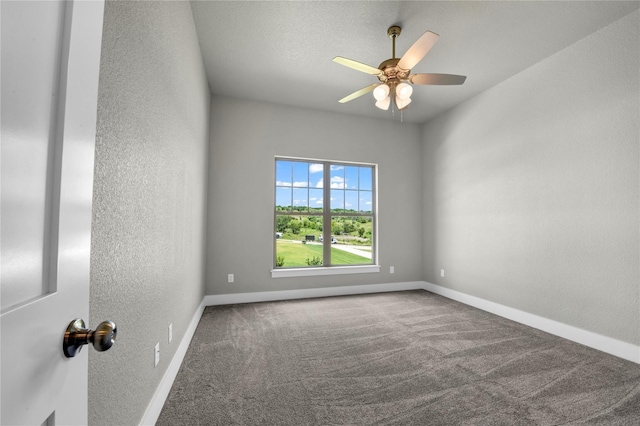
x,y
78,335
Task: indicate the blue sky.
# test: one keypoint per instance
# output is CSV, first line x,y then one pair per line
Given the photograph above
x,y
301,183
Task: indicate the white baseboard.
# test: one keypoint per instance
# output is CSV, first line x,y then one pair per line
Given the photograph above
x,y
162,391
606,344
268,296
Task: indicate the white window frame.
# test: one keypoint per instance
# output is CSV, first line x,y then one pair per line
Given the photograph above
x,y
374,267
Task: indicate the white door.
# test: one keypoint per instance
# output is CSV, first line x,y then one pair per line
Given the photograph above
x,y
50,65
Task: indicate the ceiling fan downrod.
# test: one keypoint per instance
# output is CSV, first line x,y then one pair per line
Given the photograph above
x,y
390,71
393,32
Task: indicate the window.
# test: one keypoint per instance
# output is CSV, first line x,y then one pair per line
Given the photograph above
x,y
324,214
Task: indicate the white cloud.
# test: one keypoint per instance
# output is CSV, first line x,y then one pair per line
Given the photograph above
x,y
300,184
281,183
320,184
368,203
334,167
315,168
337,182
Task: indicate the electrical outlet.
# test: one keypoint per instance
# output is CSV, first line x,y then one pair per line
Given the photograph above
x,y
170,332
442,272
230,278
156,354
392,269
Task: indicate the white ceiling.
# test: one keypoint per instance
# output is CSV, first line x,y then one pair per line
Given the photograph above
x,y
282,51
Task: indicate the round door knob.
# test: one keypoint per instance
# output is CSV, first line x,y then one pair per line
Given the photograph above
x,y
78,335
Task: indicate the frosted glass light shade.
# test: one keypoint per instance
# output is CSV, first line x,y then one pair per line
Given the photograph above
x,y
384,104
381,92
402,103
404,91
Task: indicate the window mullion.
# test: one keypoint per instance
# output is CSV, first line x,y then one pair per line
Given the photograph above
x,y
326,216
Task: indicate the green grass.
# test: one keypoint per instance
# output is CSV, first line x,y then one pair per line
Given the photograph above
x,y
296,254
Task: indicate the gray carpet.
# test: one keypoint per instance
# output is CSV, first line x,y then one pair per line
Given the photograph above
x,y
404,358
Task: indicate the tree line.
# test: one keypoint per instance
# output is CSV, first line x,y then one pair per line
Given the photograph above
x,y
340,225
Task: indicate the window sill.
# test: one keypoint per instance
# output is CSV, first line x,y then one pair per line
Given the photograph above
x,y
333,270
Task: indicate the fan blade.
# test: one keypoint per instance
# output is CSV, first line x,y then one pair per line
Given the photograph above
x,y
416,52
358,66
440,79
359,93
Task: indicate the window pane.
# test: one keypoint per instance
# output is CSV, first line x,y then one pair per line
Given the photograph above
x,y
351,200
316,175
337,176
298,241
300,174
283,173
366,178
351,240
351,177
283,198
337,199
366,201
315,200
300,199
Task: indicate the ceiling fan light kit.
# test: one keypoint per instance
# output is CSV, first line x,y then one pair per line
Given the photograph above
x,y
402,103
394,74
384,103
381,92
404,91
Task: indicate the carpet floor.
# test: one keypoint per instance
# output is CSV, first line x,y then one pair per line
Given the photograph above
x,y
402,358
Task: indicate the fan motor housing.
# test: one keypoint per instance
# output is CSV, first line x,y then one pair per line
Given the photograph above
x,y
390,71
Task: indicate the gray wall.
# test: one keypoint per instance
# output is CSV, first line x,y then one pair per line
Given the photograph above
x,y
531,189
147,259
245,137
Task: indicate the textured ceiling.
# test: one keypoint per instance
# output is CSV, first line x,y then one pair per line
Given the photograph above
x,y
281,51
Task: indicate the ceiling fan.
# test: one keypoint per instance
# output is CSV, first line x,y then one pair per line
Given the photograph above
x,y
394,73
